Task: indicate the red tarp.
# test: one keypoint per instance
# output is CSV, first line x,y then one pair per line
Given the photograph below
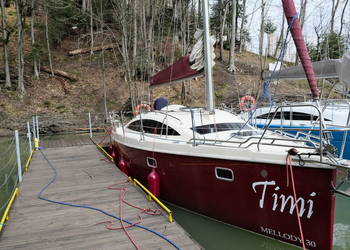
x,y
180,70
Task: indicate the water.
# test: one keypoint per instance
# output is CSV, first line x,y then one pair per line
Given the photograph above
x,y
214,235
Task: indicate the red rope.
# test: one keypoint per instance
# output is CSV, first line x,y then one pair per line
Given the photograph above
x,y
121,198
290,167
121,187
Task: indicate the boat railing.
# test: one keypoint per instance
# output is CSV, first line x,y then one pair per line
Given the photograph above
x,y
321,125
324,132
250,142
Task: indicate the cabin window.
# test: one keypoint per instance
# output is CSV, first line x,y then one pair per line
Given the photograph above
x,y
225,174
296,116
136,126
152,127
220,127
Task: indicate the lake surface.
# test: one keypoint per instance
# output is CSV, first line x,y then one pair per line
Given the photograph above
x,y
213,235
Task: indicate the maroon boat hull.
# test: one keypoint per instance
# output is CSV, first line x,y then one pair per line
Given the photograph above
x,y
258,199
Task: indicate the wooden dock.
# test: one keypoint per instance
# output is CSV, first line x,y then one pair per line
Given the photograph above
x,y
83,177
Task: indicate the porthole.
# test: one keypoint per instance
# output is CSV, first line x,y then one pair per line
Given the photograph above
x,y
224,174
151,162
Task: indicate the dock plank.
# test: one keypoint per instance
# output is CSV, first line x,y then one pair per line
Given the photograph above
x,y
82,179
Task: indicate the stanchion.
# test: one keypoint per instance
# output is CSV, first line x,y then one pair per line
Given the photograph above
x,y
29,136
90,125
18,157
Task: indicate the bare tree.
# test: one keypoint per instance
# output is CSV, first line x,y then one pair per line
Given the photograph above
x,y
5,39
280,38
20,43
48,39
335,5
303,4
231,67
242,30
342,17
91,28
224,7
32,35
262,22
261,33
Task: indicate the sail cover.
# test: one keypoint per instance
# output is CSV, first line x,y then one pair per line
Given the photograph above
x,y
187,67
333,68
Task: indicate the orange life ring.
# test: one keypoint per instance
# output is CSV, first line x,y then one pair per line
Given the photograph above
x,y
243,105
139,107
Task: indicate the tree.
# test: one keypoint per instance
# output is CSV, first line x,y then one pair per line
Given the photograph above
x,y
231,67
32,35
262,24
342,18
20,10
269,29
331,46
280,38
5,40
242,32
335,5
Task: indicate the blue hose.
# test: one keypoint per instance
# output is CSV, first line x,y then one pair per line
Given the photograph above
x,y
93,208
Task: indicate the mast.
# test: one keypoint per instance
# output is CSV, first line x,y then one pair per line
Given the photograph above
x,y
208,57
292,18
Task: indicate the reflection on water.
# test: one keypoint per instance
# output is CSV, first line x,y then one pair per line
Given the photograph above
x,y
213,235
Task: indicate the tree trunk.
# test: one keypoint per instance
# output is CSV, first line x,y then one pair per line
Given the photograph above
x,y
335,5
87,50
48,39
20,59
32,35
135,37
241,33
5,41
58,73
342,18
222,31
233,37
91,29
261,34
280,39
83,5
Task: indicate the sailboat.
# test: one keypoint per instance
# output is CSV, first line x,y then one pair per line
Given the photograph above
x,y
212,162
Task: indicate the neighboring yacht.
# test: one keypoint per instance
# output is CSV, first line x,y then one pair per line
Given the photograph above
x,y
301,119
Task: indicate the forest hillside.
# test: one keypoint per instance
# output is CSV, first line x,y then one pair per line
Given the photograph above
x,y
61,59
